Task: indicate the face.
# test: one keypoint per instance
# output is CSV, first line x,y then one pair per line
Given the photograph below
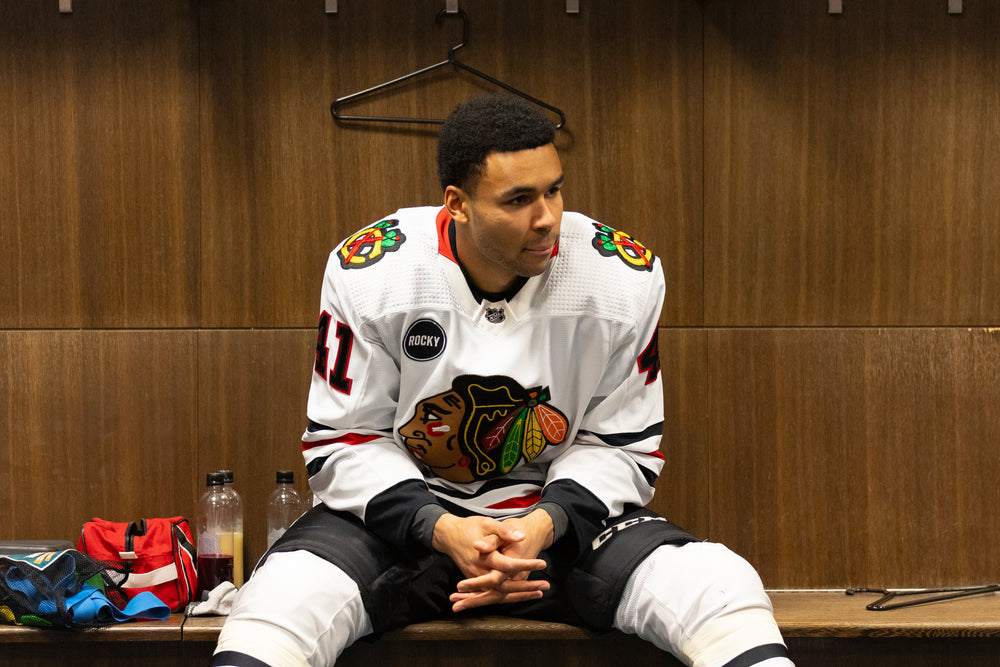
x,y
432,436
509,225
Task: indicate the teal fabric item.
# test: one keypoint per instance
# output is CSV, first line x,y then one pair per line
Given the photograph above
x,y
91,605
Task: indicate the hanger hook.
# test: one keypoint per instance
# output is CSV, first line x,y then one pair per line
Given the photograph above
x,y
465,30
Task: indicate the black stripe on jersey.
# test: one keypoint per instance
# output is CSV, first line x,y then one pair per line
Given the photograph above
x,y
390,513
487,487
648,474
452,508
316,427
314,466
623,439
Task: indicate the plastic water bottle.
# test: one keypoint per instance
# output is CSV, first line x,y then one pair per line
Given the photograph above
x,y
237,527
284,506
213,521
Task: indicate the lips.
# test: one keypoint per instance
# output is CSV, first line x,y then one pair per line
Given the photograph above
x,y
542,250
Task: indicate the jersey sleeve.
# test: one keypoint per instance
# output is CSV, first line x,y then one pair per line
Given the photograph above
x,y
615,459
353,462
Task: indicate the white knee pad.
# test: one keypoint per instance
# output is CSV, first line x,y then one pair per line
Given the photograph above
x,y
699,601
297,610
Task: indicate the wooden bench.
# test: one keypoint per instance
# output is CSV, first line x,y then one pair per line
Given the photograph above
x,y
822,628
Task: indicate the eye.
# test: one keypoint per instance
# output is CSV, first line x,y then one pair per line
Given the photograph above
x,y
552,192
431,416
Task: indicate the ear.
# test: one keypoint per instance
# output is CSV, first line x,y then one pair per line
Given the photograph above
x,y
456,201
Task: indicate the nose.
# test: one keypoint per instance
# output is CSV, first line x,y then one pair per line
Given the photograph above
x,y
547,214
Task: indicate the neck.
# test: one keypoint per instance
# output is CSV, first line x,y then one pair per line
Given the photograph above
x,y
491,293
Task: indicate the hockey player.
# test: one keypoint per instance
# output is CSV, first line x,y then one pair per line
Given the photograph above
x,y
484,427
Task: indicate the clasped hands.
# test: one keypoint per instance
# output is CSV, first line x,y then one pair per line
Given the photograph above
x,y
495,556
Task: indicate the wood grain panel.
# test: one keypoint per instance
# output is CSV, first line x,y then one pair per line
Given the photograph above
x,y
95,423
283,183
99,193
836,614
682,490
253,388
863,457
849,164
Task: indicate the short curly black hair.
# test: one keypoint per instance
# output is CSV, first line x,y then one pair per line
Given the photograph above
x,y
499,123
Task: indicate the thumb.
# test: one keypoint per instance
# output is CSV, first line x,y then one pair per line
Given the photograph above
x,y
510,534
487,544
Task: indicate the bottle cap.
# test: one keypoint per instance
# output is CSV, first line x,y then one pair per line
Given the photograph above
x,y
215,479
228,475
284,477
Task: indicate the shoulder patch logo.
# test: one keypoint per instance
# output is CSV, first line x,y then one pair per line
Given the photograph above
x,y
611,242
370,245
424,340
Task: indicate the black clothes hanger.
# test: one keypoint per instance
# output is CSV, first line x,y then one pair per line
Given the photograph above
x,y
450,60
925,595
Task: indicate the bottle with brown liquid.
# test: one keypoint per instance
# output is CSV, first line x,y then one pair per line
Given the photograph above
x,y
214,523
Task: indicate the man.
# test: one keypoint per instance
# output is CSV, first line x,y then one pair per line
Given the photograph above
x,y
484,425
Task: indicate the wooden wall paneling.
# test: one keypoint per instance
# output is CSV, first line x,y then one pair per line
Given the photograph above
x,y
100,203
855,456
785,480
682,490
38,203
632,83
283,183
253,388
847,161
96,423
935,424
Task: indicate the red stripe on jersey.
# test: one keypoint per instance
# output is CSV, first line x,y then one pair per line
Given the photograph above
x,y
442,222
656,454
514,503
349,439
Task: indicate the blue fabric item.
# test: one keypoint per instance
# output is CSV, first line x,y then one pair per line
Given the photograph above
x,y
58,572
90,605
41,580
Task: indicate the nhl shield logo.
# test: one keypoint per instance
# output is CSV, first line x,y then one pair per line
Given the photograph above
x,y
495,315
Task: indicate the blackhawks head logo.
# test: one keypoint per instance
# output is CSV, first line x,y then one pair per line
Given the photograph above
x,y
610,242
370,245
482,427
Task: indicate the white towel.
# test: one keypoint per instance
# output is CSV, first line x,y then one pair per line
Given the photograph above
x,y
219,602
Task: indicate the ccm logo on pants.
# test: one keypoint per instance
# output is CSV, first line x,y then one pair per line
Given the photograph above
x,y
619,527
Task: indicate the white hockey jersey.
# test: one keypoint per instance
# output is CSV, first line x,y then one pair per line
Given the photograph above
x,y
427,391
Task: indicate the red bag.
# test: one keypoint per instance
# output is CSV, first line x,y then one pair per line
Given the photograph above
x,y
158,554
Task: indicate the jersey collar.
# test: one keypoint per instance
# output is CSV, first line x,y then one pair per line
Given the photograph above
x,y
446,247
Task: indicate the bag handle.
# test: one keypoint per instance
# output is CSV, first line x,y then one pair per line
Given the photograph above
x,y
132,531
